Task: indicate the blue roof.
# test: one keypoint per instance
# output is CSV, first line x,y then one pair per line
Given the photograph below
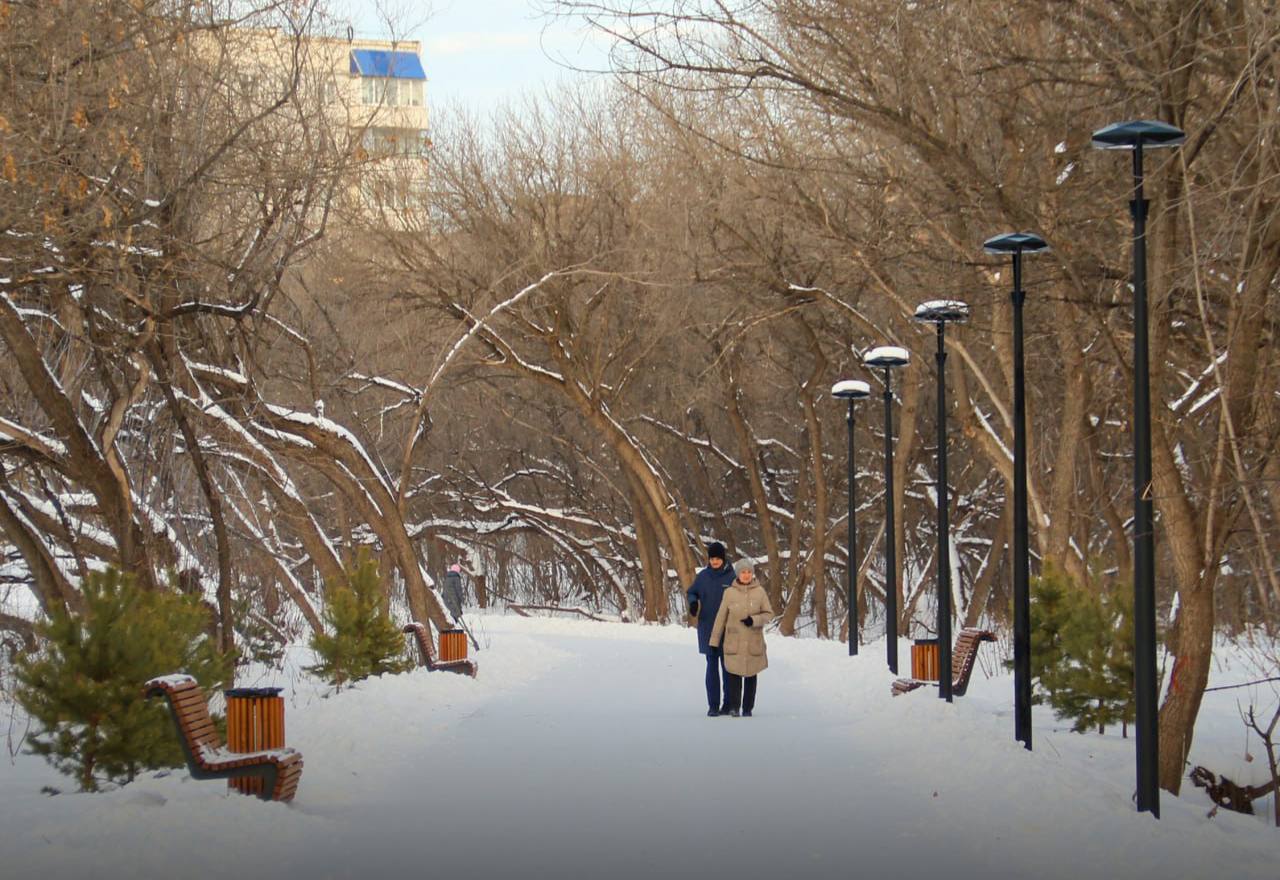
x,y
381,63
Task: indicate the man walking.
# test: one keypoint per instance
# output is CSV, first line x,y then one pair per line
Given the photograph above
x,y
704,603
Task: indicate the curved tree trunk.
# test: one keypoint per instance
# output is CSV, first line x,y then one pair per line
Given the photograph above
x,y
903,457
651,570
818,560
750,456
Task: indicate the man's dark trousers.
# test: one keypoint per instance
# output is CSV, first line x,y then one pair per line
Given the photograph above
x,y
715,669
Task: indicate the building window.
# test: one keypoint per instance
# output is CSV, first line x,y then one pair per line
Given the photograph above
x,y
328,91
382,142
393,194
391,92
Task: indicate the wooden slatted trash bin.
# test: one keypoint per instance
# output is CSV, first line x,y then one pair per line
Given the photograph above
x,y
924,659
255,723
453,645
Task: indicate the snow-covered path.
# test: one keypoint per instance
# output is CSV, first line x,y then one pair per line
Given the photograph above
x,y
582,750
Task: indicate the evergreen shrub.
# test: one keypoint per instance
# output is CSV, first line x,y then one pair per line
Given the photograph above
x,y
1082,650
360,638
84,689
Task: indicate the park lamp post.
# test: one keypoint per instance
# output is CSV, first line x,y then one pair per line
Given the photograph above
x,y
852,390
887,357
940,312
1136,135
1017,244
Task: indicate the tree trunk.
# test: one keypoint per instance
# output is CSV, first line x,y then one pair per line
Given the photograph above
x,y
652,575
1000,550
903,456
818,561
796,564
213,499
750,456
1195,577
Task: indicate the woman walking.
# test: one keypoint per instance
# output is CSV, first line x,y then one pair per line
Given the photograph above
x,y
739,631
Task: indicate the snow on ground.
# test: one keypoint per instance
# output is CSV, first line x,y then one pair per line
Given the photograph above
x,y
582,750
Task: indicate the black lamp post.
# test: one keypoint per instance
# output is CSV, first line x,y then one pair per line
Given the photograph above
x,y
851,390
1017,244
940,312
887,357
1136,135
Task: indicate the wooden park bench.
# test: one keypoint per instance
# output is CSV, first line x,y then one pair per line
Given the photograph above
x,y
208,758
963,657
427,652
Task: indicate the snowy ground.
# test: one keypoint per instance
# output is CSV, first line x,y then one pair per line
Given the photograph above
x,y
582,750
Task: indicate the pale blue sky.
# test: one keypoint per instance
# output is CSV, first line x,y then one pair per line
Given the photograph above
x,y
480,53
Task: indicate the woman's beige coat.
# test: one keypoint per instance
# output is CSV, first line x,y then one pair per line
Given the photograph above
x,y
744,651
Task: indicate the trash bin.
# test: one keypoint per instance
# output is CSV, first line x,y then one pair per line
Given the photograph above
x,y
255,723
924,660
453,645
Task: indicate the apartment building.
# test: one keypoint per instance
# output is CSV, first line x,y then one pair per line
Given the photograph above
x,y
372,92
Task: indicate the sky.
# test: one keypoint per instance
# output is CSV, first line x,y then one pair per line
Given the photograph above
x,y
481,53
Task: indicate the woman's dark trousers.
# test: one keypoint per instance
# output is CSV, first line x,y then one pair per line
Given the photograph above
x,y
738,696
715,668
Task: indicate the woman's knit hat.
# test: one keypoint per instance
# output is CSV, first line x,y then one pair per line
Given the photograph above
x,y
715,550
744,565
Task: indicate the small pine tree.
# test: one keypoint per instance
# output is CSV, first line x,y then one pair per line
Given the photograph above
x,y
1095,686
85,689
1082,651
1049,614
363,640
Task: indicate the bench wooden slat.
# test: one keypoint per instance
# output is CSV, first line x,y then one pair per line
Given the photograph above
x,y
201,732
192,711
287,782
195,722
185,693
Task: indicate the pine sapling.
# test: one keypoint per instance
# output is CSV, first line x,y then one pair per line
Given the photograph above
x,y
360,638
84,690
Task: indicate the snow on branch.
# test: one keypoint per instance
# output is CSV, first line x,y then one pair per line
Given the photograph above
x,y
49,447
693,441
480,324
1194,387
334,431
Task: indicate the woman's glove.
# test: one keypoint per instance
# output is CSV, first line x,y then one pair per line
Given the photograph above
x,y
694,607
747,620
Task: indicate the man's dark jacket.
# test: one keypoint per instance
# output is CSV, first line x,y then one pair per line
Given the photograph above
x,y
707,590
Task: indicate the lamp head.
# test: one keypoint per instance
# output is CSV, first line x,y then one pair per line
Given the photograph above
x,y
850,389
886,356
940,311
1150,133
1015,243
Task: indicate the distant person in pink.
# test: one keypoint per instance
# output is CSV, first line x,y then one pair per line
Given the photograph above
x,y
453,595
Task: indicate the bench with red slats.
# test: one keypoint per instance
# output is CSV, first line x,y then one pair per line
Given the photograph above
x,y
963,657
208,758
428,654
